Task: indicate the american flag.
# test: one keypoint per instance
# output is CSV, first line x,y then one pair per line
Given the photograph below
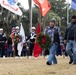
x,y
13,30
12,36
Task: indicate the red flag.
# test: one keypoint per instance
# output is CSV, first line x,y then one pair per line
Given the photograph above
x,y
36,2
38,30
44,6
37,48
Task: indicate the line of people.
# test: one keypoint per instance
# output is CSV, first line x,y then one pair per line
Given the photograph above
x,y
6,43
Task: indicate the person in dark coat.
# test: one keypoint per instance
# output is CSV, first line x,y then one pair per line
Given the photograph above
x,y
9,43
3,40
70,40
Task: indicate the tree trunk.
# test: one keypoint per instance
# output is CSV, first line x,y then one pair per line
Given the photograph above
x,y
44,23
7,22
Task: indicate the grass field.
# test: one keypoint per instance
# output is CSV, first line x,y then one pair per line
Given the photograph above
x,y
24,66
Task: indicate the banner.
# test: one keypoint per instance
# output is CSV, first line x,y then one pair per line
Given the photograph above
x,y
11,6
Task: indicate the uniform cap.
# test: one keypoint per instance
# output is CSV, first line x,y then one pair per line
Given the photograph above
x,y
52,20
33,28
17,27
1,29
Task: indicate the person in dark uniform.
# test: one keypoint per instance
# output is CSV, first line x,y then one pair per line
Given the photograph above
x,y
31,39
70,40
2,42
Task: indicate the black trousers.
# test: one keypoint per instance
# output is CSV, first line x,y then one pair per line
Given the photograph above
x,y
31,49
2,48
16,51
46,52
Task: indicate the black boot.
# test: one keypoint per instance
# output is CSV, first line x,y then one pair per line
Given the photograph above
x,y
71,60
48,63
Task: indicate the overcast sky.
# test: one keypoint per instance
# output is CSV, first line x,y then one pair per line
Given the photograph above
x,y
24,3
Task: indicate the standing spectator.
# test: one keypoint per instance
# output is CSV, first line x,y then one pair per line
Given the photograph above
x,y
23,53
2,42
53,32
62,44
70,40
9,43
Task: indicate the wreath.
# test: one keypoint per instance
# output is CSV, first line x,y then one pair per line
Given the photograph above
x,y
17,38
43,40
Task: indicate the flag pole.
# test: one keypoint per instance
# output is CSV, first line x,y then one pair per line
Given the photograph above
x,y
31,16
30,13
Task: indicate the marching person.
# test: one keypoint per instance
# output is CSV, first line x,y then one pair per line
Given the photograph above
x,y
53,33
3,40
70,40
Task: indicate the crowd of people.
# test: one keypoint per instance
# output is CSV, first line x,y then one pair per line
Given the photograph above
x,y
9,45
6,43
60,45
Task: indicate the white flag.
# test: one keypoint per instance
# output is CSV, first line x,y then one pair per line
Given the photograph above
x,y
0,1
20,45
11,6
22,33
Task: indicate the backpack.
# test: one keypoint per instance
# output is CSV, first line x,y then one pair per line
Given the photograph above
x,y
71,34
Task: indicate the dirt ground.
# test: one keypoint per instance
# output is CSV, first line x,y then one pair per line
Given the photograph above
x,y
24,66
